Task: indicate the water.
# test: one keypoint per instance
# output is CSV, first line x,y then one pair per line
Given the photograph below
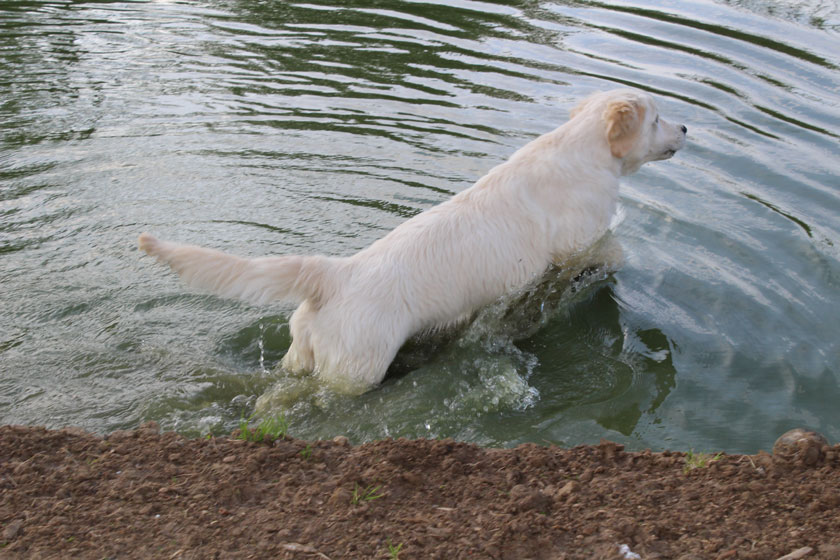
x,y
274,127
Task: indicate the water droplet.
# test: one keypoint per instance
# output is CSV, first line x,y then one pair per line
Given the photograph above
x,y
262,347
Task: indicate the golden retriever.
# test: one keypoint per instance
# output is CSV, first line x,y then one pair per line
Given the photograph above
x,y
551,200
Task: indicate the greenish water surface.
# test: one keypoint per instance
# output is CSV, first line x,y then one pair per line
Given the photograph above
x,y
316,127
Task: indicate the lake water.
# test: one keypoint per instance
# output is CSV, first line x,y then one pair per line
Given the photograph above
x,y
316,127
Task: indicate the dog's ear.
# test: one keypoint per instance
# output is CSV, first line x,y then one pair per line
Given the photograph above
x,y
624,124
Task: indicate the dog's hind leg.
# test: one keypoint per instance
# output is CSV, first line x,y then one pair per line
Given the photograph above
x,y
300,357
354,357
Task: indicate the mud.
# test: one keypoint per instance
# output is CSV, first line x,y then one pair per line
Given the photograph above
x,y
145,494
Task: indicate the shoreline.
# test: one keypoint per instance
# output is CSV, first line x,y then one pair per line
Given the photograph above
x,y
145,494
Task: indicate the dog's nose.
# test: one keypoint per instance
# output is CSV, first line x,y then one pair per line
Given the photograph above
x,y
683,128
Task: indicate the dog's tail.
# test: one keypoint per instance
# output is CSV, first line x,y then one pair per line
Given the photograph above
x,y
260,280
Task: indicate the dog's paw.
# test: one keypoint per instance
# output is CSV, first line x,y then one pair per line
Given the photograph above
x,y
148,243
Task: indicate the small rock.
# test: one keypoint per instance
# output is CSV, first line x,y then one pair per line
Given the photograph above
x,y
763,460
514,477
609,450
798,553
519,491
439,532
625,552
411,478
526,499
537,460
11,530
340,496
229,459
341,440
570,488
297,547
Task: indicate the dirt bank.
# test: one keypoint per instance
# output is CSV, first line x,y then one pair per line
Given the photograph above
x,y
142,494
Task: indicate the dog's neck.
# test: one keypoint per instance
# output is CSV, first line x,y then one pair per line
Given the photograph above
x,y
584,139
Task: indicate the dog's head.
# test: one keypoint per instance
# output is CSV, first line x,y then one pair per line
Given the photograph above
x,y
633,129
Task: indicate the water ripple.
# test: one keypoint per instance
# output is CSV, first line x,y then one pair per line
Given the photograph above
x,y
315,127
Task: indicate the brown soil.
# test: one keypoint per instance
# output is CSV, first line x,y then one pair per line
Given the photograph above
x,y
142,494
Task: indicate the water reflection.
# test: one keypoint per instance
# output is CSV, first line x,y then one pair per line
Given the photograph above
x,y
600,366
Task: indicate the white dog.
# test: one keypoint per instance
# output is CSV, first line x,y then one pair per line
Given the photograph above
x,y
552,199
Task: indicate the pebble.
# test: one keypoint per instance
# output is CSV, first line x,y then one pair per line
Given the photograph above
x,y
567,490
11,530
533,500
625,552
798,553
340,496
